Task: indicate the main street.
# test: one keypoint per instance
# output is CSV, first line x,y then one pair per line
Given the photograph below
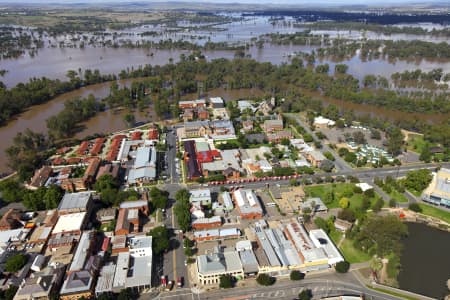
x,y
322,285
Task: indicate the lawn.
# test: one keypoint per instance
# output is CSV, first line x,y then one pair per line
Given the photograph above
x,y
416,143
435,212
397,196
340,190
402,296
335,236
351,254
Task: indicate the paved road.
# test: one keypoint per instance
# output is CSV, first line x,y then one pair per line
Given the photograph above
x,y
327,285
171,140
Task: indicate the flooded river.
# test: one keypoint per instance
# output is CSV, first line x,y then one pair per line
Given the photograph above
x,y
425,261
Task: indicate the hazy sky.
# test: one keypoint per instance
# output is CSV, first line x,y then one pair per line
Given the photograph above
x,y
299,2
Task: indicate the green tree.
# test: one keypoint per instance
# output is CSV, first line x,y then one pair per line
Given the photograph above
x,y
264,279
159,198
161,239
305,294
297,275
418,180
342,267
344,202
9,293
15,263
392,203
347,214
129,120
11,190
127,294
106,182
415,207
181,209
378,205
226,281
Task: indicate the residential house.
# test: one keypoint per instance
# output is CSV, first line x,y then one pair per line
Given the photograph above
x,y
41,285
315,157
41,176
271,126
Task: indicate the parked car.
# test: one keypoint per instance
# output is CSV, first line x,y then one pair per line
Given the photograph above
x,y
180,282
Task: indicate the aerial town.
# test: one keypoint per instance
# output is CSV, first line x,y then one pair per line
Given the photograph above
x,y
214,149
249,211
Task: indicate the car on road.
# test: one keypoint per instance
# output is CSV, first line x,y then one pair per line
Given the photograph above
x,y
169,286
185,263
180,281
164,280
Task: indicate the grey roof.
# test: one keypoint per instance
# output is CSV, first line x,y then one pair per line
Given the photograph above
x,y
145,157
219,262
38,284
249,262
77,282
267,247
82,252
319,205
74,201
105,280
133,204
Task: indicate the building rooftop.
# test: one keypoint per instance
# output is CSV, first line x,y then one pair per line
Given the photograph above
x,y
75,201
105,280
318,204
69,222
133,204
247,201
77,282
199,195
249,261
321,240
82,253
219,262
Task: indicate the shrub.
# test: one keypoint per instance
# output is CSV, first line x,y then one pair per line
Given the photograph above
x,y
392,203
226,281
297,275
305,295
264,279
415,207
344,203
15,263
347,214
342,267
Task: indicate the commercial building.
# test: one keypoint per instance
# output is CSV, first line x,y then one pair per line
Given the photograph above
x,y
83,251
40,285
322,241
75,202
207,223
141,205
438,192
144,167
190,158
134,267
105,280
322,123
77,285
247,204
216,234
70,223
202,196
213,265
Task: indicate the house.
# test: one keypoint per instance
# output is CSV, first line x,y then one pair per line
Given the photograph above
x,y
144,167
271,126
231,173
127,221
41,176
108,169
247,125
247,204
106,215
210,267
188,114
216,102
196,129
192,103
202,197
11,220
315,157
153,133
40,285
244,105
278,136
342,225
202,114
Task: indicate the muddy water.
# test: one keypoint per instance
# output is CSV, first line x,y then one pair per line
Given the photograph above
x,y
54,62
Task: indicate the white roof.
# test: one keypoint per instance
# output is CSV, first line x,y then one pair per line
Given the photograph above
x,y
321,240
70,222
82,251
243,245
120,275
325,121
216,100
364,186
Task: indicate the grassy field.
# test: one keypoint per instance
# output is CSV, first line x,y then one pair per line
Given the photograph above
x,y
435,212
351,254
416,143
335,236
340,190
398,197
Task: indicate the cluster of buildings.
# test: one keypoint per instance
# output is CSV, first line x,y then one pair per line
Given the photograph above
x,y
67,258
132,156
274,250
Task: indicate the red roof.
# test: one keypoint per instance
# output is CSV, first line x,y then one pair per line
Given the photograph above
x,y
153,134
63,150
207,156
83,147
58,161
119,137
115,146
136,135
97,146
73,160
105,244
